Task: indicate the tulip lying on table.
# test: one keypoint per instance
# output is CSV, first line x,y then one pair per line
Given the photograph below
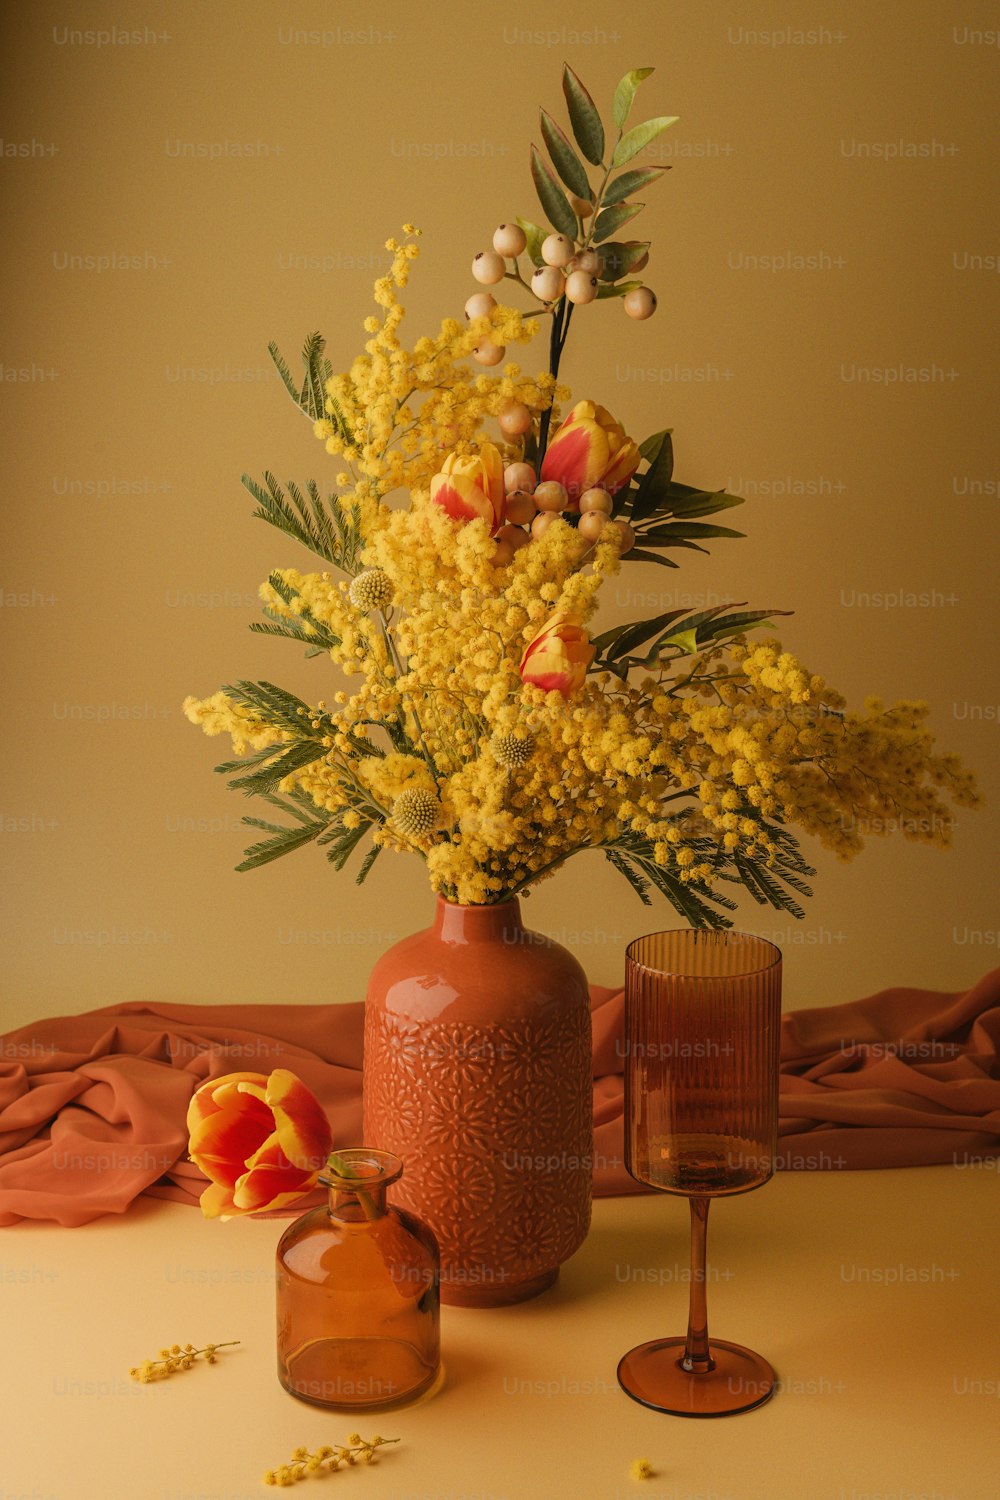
x,y
262,1140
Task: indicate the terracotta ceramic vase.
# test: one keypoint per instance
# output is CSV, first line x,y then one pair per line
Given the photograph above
x,y
478,1074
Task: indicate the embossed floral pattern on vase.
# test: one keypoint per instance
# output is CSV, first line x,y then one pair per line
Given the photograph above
x,y
478,1073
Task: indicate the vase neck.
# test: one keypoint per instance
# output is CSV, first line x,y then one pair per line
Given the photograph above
x,y
454,923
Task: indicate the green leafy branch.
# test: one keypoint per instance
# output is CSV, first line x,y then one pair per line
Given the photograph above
x,y
677,633
608,201
325,527
309,825
765,878
310,394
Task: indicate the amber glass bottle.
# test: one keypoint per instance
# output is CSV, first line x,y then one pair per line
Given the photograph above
x,y
358,1293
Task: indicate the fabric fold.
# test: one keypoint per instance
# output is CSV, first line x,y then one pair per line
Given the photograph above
x,y
92,1106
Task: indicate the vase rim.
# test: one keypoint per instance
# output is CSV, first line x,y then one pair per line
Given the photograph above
x,y
477,905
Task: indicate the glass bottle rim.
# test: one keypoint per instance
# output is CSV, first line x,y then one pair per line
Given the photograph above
x,y
728,938
376,1169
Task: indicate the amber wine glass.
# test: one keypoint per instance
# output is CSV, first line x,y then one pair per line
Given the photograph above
x,y
702,1023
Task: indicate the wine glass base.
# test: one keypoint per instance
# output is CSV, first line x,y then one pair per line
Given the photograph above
x,y
652,1374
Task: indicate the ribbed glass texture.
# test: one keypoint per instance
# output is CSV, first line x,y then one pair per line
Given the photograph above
x,y
702,1024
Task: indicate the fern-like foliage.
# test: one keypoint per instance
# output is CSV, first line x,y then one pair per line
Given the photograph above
x,y
323,526
309,393
633,856
309,825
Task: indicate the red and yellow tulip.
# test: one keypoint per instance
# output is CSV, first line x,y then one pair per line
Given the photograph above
x,y
557,658
470,487
590,449
262,1140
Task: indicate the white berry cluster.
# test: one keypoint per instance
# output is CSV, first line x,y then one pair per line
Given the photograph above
x,y
568,270
535,506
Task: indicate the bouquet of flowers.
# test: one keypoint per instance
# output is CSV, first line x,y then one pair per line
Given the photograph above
x,y
481,721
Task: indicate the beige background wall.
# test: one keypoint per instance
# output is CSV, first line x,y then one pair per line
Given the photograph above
x,y
254,159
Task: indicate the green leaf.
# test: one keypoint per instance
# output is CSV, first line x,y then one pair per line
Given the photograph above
x,y
687,529
629,183
564,158
638,882
310,397
682,501
369,860
619,256
275,707
640,136
551,196
624,638
736,624
625,93
638,555
287,758
650,446
610,219
654,481
583,117
619,290
343,842
284,841
534,236
322,527
685,640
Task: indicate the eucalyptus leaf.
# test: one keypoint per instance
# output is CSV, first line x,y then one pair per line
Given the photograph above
x,y
662,539
583,117
688,529
684,640
610,219
629,183
618,290
639,137
625,638
551,196
625,94
534,235
651,446
619,256
684,501
654,481
638,555
564,158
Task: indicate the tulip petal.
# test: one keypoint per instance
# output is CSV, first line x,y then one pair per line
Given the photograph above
x,y
621,468
271,1180
299,1120
221,1143
203,1100
461,498
217,1201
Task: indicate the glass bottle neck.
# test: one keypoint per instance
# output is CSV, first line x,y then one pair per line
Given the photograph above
x,y
357,1180
357,1205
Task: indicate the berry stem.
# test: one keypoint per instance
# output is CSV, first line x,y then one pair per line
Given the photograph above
x,y
560,328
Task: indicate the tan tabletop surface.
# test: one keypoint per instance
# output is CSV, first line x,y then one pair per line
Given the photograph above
x,y
875,1295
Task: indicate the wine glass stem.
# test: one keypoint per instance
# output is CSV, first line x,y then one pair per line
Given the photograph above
x,y
697,1356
